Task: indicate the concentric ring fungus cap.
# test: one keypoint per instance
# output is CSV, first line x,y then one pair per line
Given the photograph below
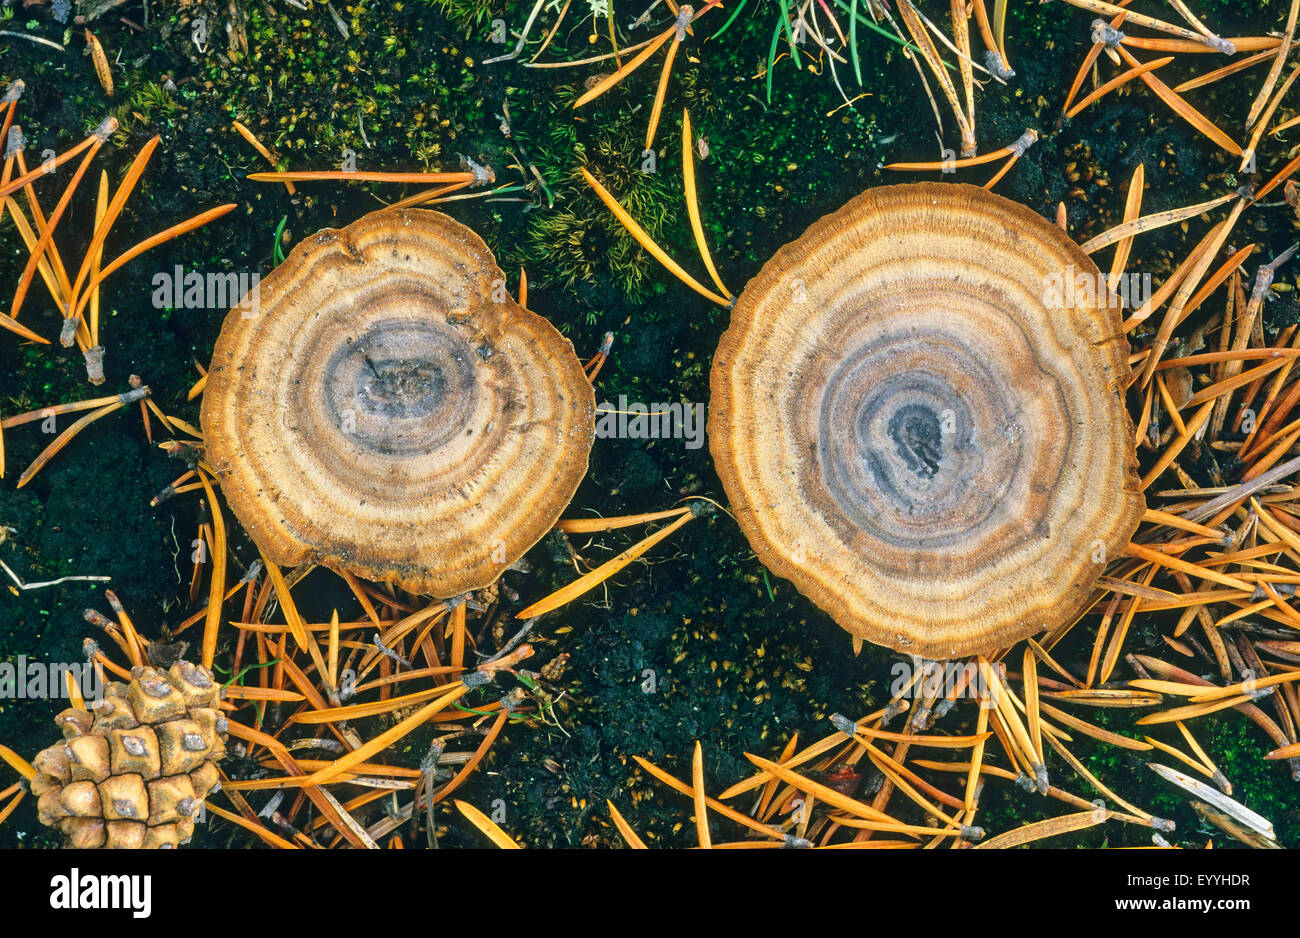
x,y
922,428
387,409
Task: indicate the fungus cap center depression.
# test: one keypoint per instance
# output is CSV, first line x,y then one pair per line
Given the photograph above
x,y
908,432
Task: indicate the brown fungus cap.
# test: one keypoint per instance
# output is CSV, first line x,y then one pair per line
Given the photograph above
x,y
915,432
387,408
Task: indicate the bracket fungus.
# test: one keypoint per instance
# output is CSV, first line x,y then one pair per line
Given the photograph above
x,y
914,432
385,408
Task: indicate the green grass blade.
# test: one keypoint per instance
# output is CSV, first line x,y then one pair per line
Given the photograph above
x,y
731,19
853,42
771,59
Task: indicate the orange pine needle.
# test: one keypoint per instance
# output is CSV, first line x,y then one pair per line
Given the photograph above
x,y
217,587
1118,80
100,134
697,788
609,81
257,145
198,221
591,580
647,242
339,175
1226,71
387,738
656,110
1183,109
624,828
485,825
124,190
62,440
42,243
593,525
693,204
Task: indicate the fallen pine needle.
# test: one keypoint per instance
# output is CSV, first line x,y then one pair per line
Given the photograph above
x,y
1051,827
493,833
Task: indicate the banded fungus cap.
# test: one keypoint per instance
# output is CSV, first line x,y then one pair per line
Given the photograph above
x,y
913,430
384,407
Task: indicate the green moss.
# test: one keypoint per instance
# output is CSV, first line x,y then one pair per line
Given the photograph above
x,y
582,243
468,16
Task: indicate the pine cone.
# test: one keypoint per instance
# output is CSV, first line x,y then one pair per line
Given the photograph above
x,y
133,770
